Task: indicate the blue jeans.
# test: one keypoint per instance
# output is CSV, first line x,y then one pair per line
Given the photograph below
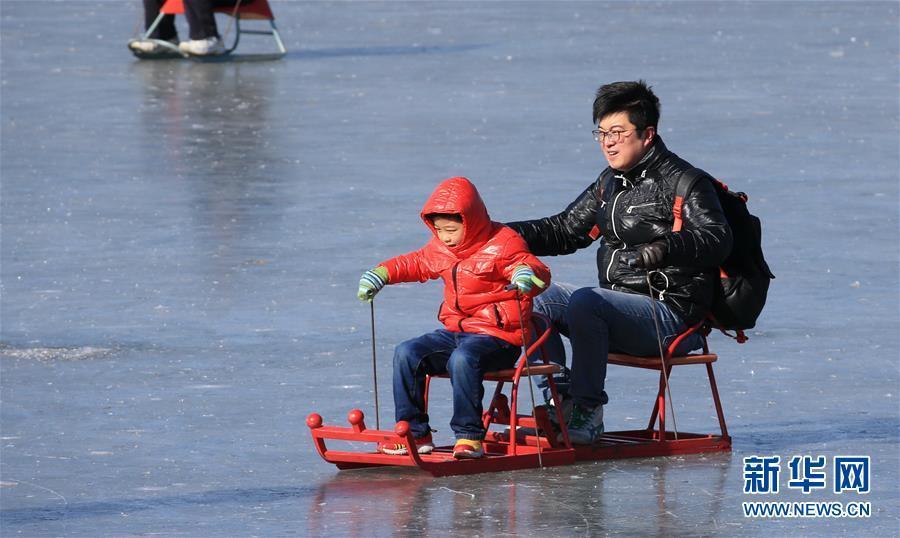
x,y
599,321
465,356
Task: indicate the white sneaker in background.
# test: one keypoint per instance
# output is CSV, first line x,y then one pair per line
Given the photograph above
x,y
151,47
211,46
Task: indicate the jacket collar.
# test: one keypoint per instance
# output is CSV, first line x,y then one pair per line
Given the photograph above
x,y
656,151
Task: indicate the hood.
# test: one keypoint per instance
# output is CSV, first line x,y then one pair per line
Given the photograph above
x,y
458,195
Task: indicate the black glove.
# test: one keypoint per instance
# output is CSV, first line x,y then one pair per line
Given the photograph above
x,y
651,255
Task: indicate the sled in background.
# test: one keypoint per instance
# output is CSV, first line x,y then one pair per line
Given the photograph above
x,y
258,10
532,446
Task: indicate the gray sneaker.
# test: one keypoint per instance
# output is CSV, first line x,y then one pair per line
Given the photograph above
x,y
566,405
586,425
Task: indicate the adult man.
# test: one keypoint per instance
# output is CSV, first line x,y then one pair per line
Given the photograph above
x,y
629,207
204,35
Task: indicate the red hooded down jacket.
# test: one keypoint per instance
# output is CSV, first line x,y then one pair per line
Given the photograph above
x,y
476,270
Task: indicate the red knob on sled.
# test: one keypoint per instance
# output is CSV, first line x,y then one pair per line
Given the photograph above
x,y
355,417
402,428
314,420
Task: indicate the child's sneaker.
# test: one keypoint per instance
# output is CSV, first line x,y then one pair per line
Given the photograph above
x,y
211,46
468,449
586,425
424,445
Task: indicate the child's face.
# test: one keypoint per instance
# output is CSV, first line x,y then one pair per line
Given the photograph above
x,y
448,231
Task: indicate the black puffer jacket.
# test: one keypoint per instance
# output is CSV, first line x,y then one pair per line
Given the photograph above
x,y
626,210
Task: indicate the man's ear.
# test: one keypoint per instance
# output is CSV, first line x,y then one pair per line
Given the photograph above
x,y
649,136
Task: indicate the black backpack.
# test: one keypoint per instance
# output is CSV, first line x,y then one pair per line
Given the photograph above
x,y
745,275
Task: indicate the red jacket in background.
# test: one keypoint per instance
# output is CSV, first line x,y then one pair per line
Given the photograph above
x,y
476,270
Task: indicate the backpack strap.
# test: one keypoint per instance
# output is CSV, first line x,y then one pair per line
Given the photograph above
x,y
683,187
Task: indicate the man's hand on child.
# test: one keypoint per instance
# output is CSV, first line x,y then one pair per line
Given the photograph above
x,y
524,279
371,282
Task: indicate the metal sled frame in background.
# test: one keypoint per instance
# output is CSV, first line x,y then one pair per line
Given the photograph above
x,y
255,10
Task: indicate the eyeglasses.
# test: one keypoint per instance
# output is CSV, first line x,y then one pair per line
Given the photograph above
x,y
612,136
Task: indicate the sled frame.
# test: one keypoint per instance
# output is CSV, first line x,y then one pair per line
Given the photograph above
x,y
517,446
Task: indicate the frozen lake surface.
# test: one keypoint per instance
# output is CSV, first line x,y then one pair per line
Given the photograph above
x,y
181,244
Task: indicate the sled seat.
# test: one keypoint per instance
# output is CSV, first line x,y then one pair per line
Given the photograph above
x,y
653,363
533,370
658,414
503,410
245,10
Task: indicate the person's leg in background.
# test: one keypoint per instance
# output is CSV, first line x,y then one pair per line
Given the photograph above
x,y
165,30
204,33
201,19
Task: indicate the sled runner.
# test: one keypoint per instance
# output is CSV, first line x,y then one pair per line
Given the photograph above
x,y
535,443
244,11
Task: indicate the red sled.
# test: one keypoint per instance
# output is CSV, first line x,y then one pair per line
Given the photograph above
x,y
535,442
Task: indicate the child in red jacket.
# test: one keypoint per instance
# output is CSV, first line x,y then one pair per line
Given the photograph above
x,y
477,258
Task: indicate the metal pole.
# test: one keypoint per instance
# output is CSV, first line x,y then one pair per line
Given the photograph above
x,y
374,367
537,431
662,355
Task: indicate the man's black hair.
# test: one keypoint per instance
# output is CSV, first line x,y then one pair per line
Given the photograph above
x,y
634,97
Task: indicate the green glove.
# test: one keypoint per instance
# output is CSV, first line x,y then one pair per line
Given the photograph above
x,y
524,279
371,283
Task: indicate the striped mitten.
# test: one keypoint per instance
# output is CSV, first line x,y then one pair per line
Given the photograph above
x,y
371,283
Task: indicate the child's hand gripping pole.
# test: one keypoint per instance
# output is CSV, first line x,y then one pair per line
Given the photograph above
x,y
523,274
524,279
371,282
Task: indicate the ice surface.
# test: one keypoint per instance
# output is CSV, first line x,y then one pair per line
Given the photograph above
x,y
181,244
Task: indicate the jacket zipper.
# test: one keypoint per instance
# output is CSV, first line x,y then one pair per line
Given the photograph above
x,y
612,220
456,297
608,267
632,207
612,215
455,289
499,319
612,211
